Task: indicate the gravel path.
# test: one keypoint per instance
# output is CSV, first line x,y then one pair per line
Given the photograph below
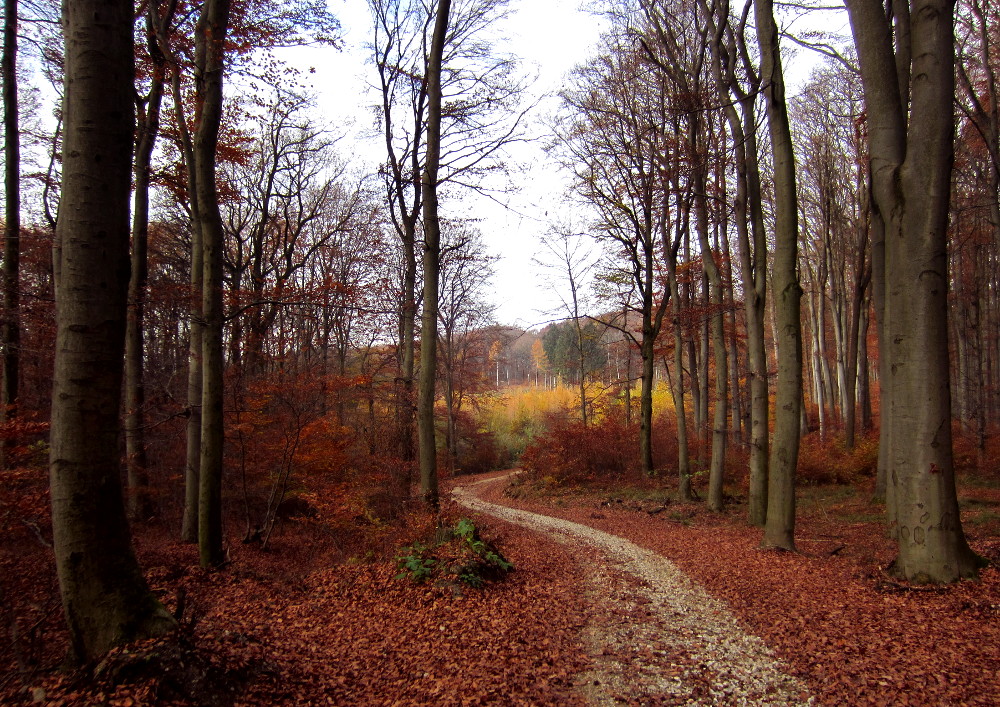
x,y
656,637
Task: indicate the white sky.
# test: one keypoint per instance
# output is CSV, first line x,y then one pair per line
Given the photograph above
x,y
551,37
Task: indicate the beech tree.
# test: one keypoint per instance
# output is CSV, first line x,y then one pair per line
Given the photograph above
x,y
466,272
907,63
675,41
157,21
432,262
731,61
209,68
779,528
479,117
104,594
615,141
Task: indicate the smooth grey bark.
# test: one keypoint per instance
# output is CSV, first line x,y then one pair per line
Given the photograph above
x,y
105,597
684,491
713,279
10,327
779,527
210,35
878,301
432,264
727,45
912,153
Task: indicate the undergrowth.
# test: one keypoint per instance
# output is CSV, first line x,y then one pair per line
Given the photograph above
x,y
459,555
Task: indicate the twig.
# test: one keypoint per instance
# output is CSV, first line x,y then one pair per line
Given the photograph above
x,y
38,533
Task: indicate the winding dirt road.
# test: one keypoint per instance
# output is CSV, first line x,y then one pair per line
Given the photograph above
x,y
658,638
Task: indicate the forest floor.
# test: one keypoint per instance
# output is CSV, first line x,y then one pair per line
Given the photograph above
x,y
583,618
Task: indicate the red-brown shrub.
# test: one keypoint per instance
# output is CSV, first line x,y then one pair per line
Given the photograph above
x,y
569,452
828,462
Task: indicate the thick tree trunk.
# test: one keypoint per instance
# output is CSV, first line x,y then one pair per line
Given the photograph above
x,y
432,264
10,327
105,597
779,528
209,68
911,166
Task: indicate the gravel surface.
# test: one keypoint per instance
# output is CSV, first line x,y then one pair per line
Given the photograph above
x,y
657,637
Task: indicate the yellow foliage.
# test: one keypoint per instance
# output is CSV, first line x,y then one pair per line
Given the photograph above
x,y
663,399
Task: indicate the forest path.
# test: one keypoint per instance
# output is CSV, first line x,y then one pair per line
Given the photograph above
x,y
657,637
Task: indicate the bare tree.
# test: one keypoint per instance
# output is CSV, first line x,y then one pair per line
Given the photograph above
x,y
779,528
209,68
615,139
431,261
568,256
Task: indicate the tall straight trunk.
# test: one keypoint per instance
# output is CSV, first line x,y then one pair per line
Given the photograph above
x,y
878,298
729,297
751,246
432,264
854,332
703,357
819,389
779,528
864,381
646,401
407,329
683,460
713,282
104,595
209,68
912,154
140,504
628,383
192,457
10,327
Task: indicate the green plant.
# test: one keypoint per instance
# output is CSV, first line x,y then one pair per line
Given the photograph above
x,y
459,553
413,563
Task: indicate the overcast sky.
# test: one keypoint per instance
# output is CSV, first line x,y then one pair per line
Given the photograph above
x,y
551,37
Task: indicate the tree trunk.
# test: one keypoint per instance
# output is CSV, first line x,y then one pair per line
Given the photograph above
x,y
209,68
684,492
10,328
432,263
713,282
779,528
752,251
104,595
192,458
911,167
646,403
140,504
405,401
